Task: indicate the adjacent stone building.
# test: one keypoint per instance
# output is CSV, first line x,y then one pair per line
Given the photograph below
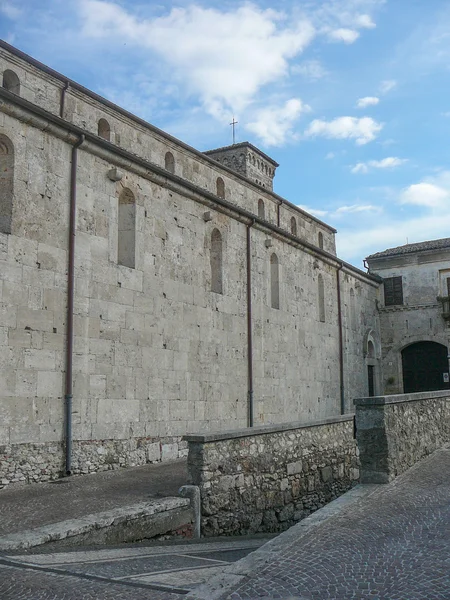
x,y
414,315
148,290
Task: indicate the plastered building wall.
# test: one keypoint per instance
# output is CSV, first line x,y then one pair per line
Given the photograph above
x,y
424,277
157,354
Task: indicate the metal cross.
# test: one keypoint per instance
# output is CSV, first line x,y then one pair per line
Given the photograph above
x,y
233,123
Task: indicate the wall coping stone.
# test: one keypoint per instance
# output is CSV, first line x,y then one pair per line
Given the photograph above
x,y
263,429
401,398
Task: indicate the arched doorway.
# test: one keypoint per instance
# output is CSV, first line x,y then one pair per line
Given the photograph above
x,y
425,367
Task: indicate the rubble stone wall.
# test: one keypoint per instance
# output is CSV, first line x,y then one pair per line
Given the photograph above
x,y
395,432
267,478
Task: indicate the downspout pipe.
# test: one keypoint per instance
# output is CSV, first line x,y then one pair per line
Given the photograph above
x,y
250,410
63,98
341,342
70,301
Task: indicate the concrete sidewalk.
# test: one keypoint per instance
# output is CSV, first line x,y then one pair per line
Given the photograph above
x,y
42,507
389,542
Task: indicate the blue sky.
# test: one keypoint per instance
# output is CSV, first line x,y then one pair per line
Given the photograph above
x,y
351,97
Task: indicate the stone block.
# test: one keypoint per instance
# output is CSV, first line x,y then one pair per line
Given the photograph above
x,y
294,468
153,452
169,452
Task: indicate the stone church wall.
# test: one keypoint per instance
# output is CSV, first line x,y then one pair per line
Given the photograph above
x,y
157,354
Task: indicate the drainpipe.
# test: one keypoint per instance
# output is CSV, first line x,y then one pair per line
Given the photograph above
x,y
63,97
70,298
341,343
249,326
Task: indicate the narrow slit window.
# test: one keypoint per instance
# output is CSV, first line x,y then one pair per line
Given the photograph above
x,y
220,187
6,183
261,209
293,226
11,82
104,130
274,281
126,252
352,309
320,239
216,262
321,298
169,162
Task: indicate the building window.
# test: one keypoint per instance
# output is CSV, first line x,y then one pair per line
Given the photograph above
x,y
320,238
169,162
6,183
104,130
393,291
216,262
261,209
220,187
274,281
11,82
293,226
321,298
126,251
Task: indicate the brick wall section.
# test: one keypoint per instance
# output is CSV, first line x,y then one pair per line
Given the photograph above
x,y
395,432
267,478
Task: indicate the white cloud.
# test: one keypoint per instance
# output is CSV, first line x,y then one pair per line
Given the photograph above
x,y
367,101
330,156
365,21
362,130
348,36
311,69
314,211
386,163
355,208
224,57
426,194
274,124
387,85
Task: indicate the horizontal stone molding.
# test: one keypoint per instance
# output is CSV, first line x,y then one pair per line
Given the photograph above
x,y
395,432
267,478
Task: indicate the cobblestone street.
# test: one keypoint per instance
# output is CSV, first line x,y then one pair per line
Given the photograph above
x,y
144,572
392,545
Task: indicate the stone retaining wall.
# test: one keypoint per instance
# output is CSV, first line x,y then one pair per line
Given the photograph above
x,y
395,432
32,463
265,479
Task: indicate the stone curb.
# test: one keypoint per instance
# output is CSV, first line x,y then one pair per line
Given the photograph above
x,y
98,521
223,583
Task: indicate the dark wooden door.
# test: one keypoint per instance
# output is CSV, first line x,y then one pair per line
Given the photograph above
x,y
424,366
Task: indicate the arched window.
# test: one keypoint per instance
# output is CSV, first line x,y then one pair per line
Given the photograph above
x,y
104,130
6,183
126,250
216,262
169,162
320,236
11,82
293,226
321,298
274,281
261,209
220,187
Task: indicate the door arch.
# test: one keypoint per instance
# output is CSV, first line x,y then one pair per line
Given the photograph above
x,y
424,365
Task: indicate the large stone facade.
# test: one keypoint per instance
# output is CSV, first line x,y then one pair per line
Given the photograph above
x,y
170,255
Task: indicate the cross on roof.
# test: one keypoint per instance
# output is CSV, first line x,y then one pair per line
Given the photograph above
x,y
233,123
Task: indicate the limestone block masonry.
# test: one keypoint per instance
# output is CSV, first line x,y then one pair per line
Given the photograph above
x,y
267,478
395,432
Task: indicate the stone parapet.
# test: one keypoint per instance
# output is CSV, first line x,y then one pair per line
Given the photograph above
x,y
394,432
267,478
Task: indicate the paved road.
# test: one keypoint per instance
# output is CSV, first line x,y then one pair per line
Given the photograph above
x,y
393,544
29,506
143,572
